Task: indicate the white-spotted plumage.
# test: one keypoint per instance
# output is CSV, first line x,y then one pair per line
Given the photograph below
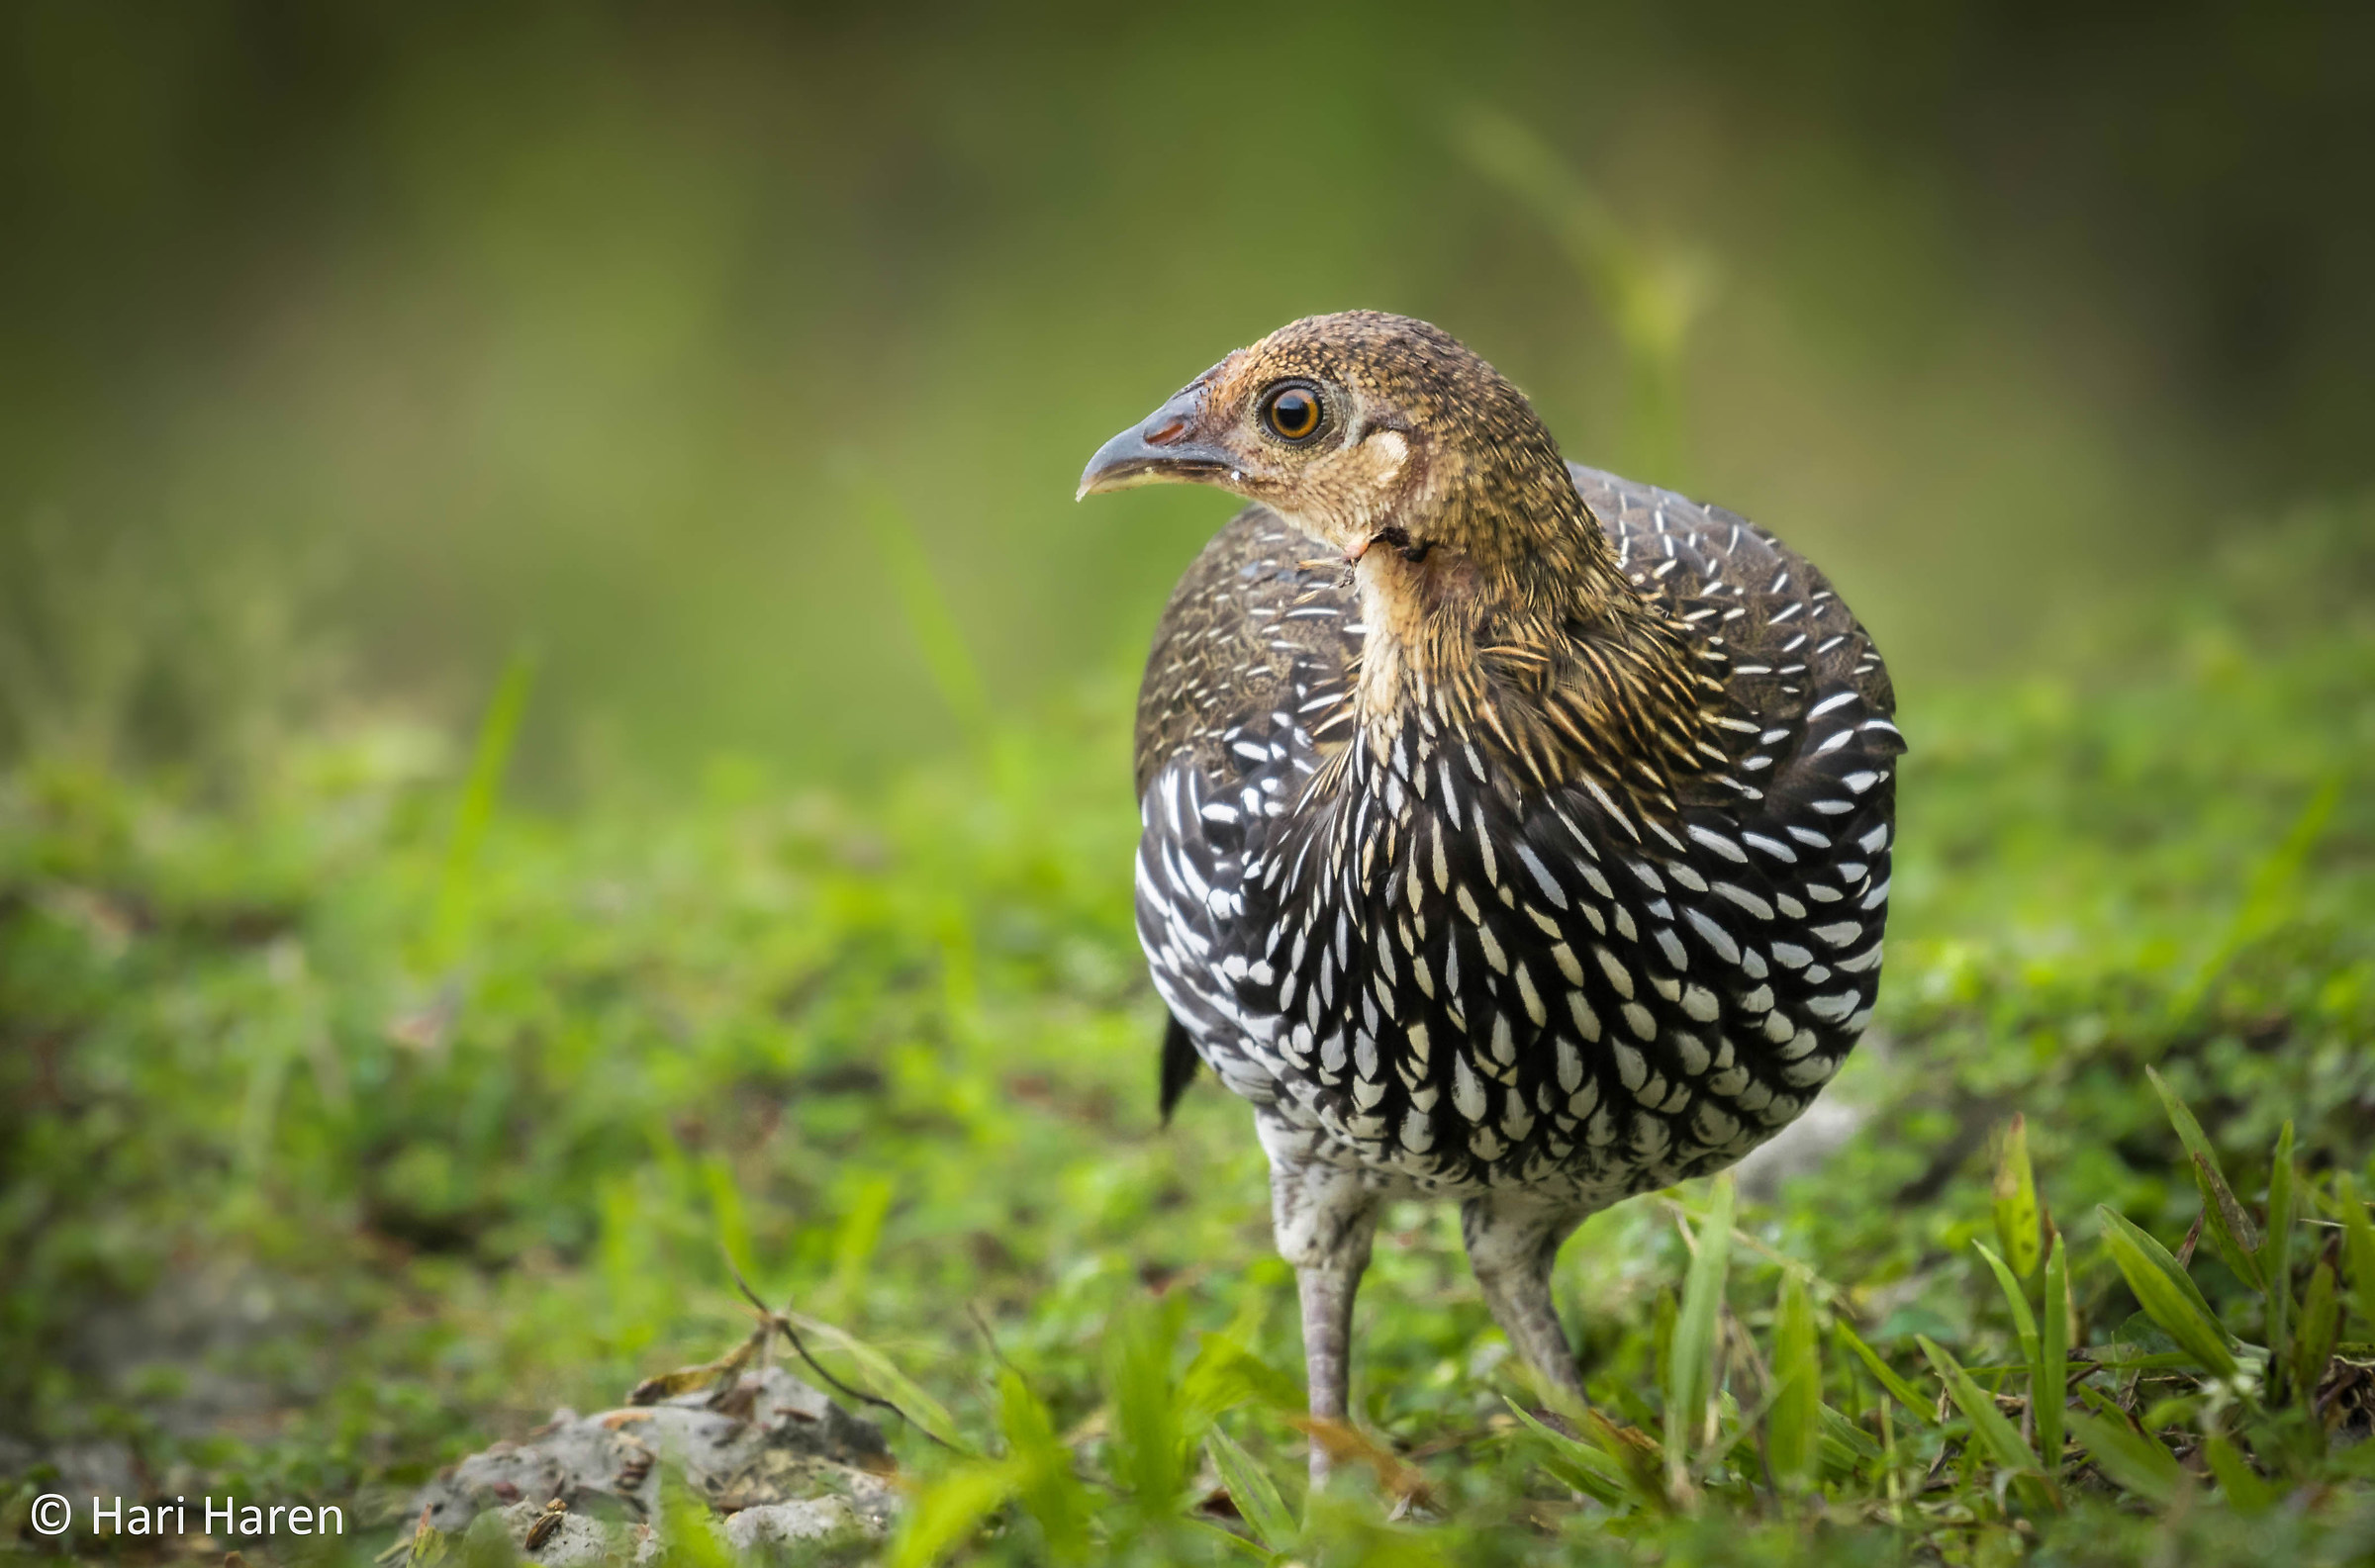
x,y
1430,972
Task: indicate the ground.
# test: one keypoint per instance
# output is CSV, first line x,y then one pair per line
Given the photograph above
x,y
354,1118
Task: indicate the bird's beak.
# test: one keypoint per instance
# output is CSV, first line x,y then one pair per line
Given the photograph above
x,y
1162,449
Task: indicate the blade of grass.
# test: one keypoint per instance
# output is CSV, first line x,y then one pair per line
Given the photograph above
x,y
2358,1247
1148,1453
948,1512
1045,1482
2180,1314
1225,1374
2315,1333
2128,1456
1890,1474
1638,1455
1996,1433
2023,1321
1844,1442
2049,1381
2231,1234
1251,1489
880,1374
482,787
1227,1539
1602,1474
1690,1375
2198,1146
1662,1354
2246,1491
2070,1306
856,1236
2276,1259
2014,1201
2149,1246
1902,1392
2107,1359
1793,1428
726,1208
1735,1428
2189,1130
684,1521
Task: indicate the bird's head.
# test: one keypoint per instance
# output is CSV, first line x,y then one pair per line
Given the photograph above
x,y
1385,439
1490,596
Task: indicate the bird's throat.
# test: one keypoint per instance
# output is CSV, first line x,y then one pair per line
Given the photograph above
x,y
1546,656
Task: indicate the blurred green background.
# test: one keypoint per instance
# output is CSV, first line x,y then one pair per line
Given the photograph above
x,y
346,349
556,711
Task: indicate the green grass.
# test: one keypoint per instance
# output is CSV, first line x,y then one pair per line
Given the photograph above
x,y
429,1114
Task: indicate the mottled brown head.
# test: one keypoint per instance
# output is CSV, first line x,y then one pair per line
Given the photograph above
x,y
1490,594
1384,438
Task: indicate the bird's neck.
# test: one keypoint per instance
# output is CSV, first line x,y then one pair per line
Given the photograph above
x,y
1519,633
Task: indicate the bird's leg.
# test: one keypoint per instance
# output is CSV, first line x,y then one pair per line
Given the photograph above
x,y
1512,1242
1324,1219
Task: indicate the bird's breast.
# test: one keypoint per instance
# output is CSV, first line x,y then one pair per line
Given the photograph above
x,y
1471,982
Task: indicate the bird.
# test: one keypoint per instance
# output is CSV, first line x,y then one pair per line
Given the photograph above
x,y
1512,834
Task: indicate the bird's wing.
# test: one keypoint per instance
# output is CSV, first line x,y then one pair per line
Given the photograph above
x,y
1791,641
1761,908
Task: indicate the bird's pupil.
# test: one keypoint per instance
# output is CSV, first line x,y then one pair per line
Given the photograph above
x,y
1293,414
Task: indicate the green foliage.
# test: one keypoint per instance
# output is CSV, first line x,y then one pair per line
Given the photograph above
x,y
2229,1226
2133,1460
947,1512
1997,1436
287,1120
1688,1379
2358,1244
2020,1223
1045,1481
1253,1492
1904,1393
1148,1421
1794,1427
2023,1321
2049,1367
2167,1294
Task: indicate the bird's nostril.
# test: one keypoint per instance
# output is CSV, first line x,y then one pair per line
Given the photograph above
x,y
1168,433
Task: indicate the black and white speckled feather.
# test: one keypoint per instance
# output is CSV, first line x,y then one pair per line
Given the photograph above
x,y
1457,981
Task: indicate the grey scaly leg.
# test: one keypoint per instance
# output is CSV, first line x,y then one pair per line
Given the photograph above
x,y
1324,1220
1512,1242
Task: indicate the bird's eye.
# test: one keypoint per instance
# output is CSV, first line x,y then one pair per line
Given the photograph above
x,y
1292,413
